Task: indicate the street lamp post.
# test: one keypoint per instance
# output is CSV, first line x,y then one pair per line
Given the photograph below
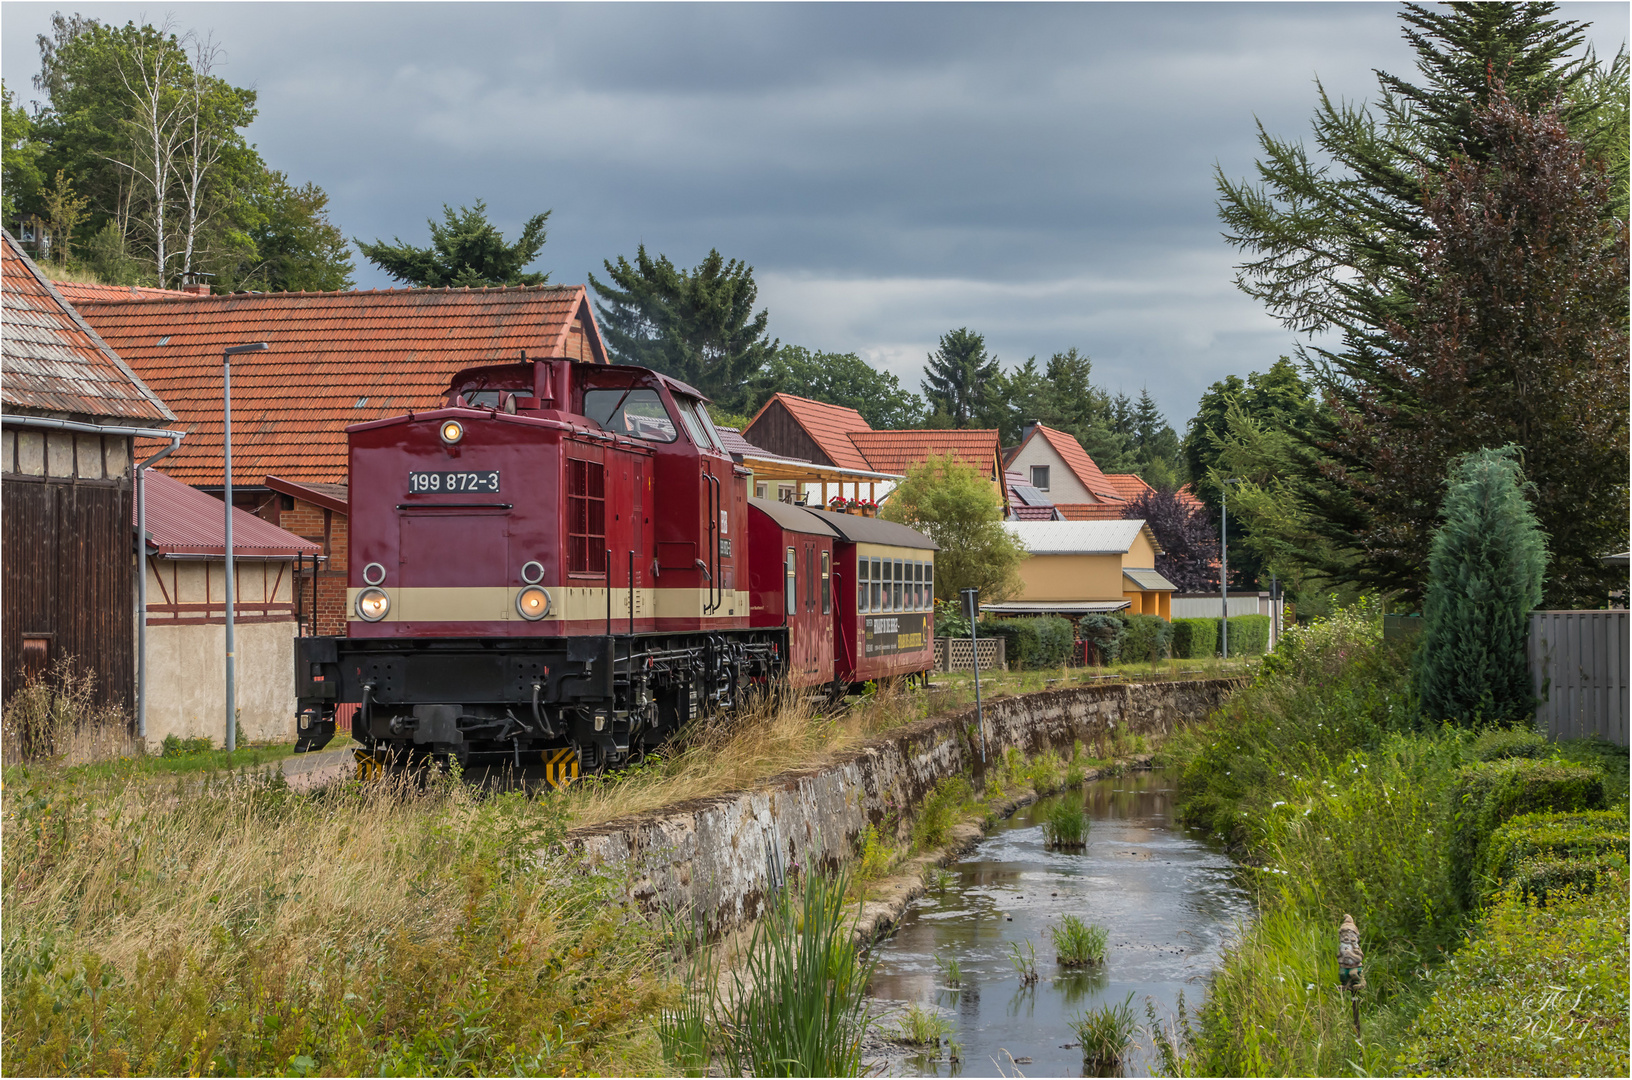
x,y
226,415
1224,560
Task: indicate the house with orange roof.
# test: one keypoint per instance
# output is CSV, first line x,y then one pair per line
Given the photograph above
x,y
800,427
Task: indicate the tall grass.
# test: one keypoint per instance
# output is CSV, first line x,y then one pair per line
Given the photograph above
x,y
799,998
224,925
1078,944
1066,825
919,1026
55,718
1106,1033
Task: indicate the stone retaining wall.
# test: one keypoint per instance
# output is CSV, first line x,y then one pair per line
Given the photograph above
x,y
722,853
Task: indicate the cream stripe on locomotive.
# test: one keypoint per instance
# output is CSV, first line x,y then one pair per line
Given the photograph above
x,y
575,603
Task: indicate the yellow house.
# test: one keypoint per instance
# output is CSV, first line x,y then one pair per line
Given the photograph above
x,y
1077,567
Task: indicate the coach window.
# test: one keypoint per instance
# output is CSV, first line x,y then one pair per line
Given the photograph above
x,y
862,576
827,582
898,584
929,585
878,579
790,591
917,586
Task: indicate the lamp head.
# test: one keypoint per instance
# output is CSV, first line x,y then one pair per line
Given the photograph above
x,y
239,350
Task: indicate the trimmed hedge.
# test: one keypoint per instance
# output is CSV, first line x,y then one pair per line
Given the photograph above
x,y
1032,642
1195,639
1249,635
1542,853
1501,743
1488,795
1148,639
1541,991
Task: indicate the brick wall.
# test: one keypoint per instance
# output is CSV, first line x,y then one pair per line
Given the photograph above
x,y
329,528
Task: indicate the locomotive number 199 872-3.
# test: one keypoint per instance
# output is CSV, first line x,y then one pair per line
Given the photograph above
x,y
421,483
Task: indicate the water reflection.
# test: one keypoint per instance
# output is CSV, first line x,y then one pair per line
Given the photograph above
x,y
1166,898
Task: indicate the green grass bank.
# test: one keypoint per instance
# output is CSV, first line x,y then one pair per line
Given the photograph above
x,y
1485,869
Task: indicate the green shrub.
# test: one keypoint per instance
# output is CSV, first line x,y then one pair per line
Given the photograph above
x,y
1540,992
940,812
1542,853
1056,642
1147,640
1195,639
1032,642
1105,633
1489,794
1484,577
1500,743
1010,631
174,747
1249,635
1105,1034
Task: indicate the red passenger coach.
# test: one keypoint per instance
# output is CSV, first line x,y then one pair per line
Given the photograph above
x,y
884,589
791,585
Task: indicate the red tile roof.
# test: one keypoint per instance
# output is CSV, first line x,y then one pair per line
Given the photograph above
x,y
182,520
1077,460
1033,513
1187,496
1128,486
894,451
827,425
1105,511
335,359
80,292
51,361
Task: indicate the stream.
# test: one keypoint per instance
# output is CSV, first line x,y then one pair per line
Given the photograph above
x,y
1167,898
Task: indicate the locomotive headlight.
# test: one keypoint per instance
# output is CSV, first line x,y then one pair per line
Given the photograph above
x,y
372,604
533,603
452,431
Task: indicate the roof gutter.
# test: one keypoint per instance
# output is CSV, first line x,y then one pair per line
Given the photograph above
x,y
140,470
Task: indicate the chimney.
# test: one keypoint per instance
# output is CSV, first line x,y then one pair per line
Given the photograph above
x,y
196,288
1025,432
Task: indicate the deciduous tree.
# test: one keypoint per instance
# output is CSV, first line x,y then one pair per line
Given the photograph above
x,y
840,379
467,252
1189,543
960,510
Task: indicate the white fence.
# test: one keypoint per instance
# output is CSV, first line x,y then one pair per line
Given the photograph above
x,y
1578,664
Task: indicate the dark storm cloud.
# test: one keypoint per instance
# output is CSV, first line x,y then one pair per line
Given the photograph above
x,y
1042,174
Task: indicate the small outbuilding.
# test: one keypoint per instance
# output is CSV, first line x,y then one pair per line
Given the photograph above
x,y
186,617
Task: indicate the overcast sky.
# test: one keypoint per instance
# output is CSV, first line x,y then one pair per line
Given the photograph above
x,y
1040,174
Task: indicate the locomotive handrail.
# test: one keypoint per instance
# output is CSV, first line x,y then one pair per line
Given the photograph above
x,y
456,506
717,583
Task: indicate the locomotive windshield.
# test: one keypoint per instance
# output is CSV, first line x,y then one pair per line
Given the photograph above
x,y
640,413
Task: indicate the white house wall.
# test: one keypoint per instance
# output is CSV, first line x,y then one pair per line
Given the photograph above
x,y
1063,485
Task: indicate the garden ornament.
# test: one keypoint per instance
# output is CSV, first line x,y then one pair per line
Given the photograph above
x,y
1350,976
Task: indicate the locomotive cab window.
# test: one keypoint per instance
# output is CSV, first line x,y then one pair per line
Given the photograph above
x,y
638,413
827,582
790,586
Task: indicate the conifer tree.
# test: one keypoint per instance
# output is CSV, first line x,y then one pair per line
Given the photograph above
x,y
958,376
466,251
1484,577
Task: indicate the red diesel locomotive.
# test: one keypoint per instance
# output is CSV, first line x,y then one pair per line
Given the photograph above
x,y
564,561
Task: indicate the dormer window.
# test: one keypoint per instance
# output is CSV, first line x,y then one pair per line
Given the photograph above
x,y
1039,477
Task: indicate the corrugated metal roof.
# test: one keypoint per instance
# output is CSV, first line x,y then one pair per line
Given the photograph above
x,y
1079,537
1054,607
1148,580
335,359
792,518
866,530
185,521
51,361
